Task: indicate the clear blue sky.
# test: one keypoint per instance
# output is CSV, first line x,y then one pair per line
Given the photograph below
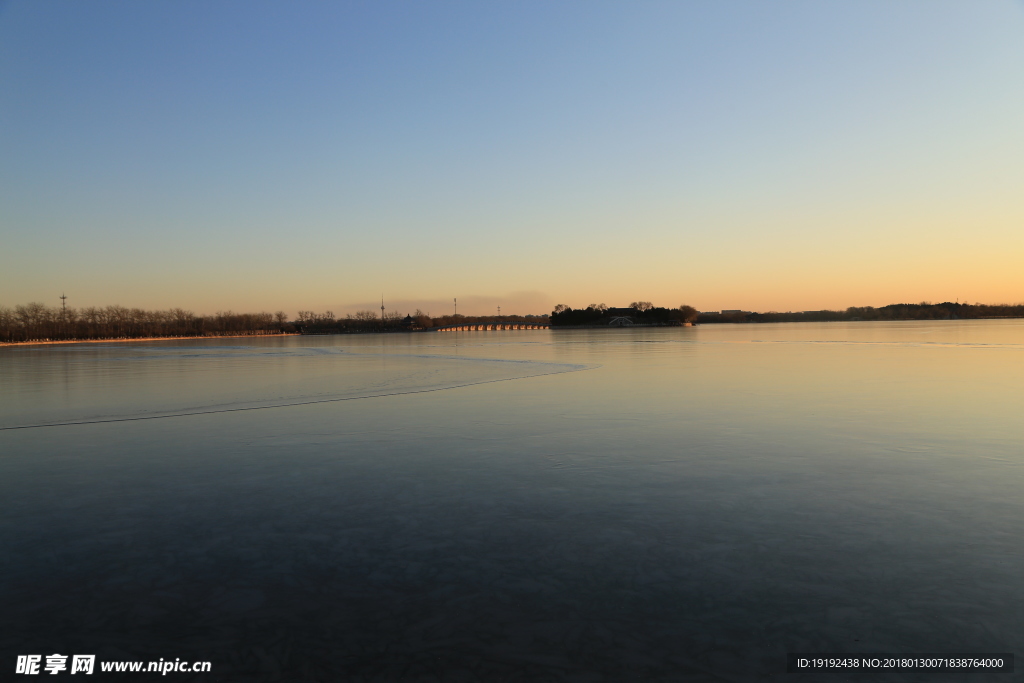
x,y
758,155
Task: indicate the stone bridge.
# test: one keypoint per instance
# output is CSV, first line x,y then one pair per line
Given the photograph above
x,y
486,327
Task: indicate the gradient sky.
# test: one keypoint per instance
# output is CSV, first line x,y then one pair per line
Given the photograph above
x,y
314,155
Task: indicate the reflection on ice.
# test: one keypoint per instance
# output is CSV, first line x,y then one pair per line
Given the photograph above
x,y
148,382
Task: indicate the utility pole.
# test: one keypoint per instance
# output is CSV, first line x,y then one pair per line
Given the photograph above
x,y
63,310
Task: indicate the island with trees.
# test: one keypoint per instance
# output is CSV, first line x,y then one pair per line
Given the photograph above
x,y
639,313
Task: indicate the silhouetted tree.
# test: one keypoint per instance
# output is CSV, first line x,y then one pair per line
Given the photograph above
x,y
687,314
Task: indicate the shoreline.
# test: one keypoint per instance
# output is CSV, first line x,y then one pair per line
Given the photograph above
x,y
143,339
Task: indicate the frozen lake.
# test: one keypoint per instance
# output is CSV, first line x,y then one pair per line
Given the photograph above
x,y
586,505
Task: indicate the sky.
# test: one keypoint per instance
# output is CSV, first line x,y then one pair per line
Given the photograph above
x,y
294,156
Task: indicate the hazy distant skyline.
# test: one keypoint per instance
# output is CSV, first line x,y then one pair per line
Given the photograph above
x,y
754,155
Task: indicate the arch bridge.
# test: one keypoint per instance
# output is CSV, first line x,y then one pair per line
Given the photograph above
x,y
490,327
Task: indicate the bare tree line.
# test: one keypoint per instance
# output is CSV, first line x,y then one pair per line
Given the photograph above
x,y
38,322
311,322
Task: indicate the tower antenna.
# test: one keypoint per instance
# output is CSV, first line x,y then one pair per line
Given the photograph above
x,y
63,305
382,308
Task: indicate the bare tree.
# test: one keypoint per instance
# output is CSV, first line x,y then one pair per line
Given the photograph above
x,y
423,319
7,324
